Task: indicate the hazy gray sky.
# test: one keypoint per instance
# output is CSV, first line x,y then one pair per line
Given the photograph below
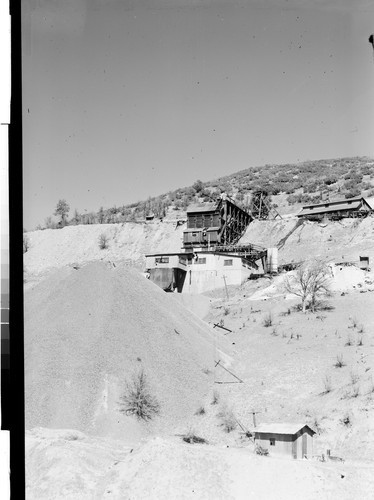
x,y
129,99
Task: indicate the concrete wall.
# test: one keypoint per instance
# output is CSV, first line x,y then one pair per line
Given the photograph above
x,y
210,275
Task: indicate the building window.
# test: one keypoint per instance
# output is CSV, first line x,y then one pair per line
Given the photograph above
x,y
272,442
201,260
162,260
227,262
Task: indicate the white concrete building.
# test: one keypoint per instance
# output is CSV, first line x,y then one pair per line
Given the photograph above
x,y
198,272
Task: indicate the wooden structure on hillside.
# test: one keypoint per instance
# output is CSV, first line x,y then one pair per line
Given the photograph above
x,y
336,210
292,440
217,223
261,207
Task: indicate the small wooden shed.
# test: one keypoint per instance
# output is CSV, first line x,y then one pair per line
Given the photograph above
x,y
283,439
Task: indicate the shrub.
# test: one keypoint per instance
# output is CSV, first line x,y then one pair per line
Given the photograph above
x,y
354,322
103,241
354,377
191,438
339,361
259,450
317,425
228,420
268,320
346,420
361,329
327,384
200,411
360,340
349,341
138,399
226,310
355,391
215,399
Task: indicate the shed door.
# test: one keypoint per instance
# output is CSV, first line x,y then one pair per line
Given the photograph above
x,y
294,448
304,445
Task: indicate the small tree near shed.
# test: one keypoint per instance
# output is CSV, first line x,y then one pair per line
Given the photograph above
x,y
310,282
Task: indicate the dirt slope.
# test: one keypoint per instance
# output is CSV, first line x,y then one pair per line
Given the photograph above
x,y
297,240
88,330
128,242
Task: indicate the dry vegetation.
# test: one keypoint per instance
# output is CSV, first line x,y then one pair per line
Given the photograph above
x,y
289,185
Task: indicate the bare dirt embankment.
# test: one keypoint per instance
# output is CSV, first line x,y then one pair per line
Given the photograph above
x,y
127,243
298,240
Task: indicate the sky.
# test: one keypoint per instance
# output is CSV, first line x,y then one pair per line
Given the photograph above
x,y
124,99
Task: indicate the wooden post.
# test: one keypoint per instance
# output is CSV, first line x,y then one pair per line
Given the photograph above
x,y
227,293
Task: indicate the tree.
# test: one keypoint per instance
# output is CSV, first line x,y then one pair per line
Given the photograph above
x,y
62,210
77,217
101,215
49,224
198,186
309,283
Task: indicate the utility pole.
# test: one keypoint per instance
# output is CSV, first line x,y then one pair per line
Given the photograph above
x,y
254,413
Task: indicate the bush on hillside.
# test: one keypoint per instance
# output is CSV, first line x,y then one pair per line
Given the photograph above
x,y
138,399
228,420
192,438
103,241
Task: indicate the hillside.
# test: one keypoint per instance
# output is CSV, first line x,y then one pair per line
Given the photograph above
x,y
290,185
128,243
75,245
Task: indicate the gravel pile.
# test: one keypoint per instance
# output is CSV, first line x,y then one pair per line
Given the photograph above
x,y
89,330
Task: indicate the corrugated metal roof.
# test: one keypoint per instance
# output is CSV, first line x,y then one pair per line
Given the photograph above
x,y
280,428
206,207
334,202
321,209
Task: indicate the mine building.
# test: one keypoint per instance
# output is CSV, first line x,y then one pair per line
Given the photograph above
x,y
287,440
336,210
211,256
202,270
215,223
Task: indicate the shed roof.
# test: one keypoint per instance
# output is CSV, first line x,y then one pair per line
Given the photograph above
x,y
334,206
206,207
281,428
